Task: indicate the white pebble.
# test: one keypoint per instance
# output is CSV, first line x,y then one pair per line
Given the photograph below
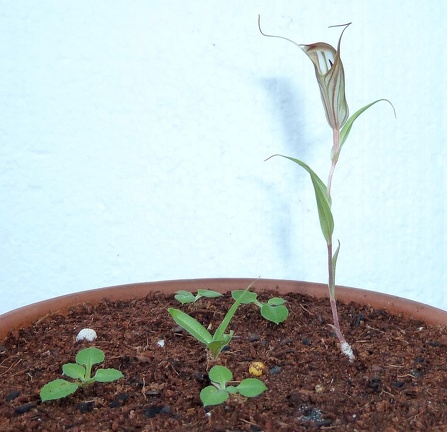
x,y
86,334
161,343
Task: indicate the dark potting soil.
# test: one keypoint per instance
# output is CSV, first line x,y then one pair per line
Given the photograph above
x,y
398,381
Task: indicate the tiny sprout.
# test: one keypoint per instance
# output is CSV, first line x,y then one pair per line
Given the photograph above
x,y
188,297
218,392
81,371
274,310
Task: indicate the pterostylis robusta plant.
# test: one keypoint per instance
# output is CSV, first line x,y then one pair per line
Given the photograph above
x,y
331,81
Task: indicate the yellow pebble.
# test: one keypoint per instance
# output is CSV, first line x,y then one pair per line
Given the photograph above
x,y
257,368
319,388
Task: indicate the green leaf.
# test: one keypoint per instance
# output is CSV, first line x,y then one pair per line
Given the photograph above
x,y
191,325
334,259
276,314
249,297
74,370
251,387
212,396
107,375
231,390
229,315
90,356
323,200
334,267
57,389
217,345
208,293
184,297
276,301
346,129
220,375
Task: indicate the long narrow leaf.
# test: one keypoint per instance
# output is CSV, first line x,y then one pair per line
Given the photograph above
x,y
334,267
229,315
348,125
334,259
323,200
191,325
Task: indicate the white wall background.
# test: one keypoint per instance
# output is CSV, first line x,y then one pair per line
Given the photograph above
x,y
133,136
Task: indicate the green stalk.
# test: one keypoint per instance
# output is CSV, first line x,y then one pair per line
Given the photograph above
x,y
332,259
331,285
229,315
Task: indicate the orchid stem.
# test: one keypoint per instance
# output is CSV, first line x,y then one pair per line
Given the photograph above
x,y
331,267
332,298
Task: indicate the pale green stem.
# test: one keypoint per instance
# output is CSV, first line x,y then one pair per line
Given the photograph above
x,y
332,298
331,270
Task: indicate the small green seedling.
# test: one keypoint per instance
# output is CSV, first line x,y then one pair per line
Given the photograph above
x,y
81,371
188,297
218,392
215,343
274,310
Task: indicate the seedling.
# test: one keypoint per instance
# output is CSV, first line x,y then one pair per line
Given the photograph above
x,y
274,310
214,343
330,75
188,297
219,391
81,372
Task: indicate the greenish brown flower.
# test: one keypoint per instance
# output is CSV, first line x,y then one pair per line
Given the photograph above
x,y
331,79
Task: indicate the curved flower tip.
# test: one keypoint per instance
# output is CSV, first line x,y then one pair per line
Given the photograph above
x,y
331,79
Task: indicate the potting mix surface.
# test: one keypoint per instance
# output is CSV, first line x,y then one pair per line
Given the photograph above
x,y
398,381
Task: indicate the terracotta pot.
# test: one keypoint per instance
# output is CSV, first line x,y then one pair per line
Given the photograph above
x,y
396,382
24,316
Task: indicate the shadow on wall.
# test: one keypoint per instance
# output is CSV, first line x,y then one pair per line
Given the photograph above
x,y
286,107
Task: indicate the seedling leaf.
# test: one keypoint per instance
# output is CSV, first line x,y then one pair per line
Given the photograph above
x,y
191,325
231,389
218,392
249,297
57,389
208,293
220,375
188,297
216,345
73,370
251,387
276,314
108,375
184,297
89,356
276,301
212,396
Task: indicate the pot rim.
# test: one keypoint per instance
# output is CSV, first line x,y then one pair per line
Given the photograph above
x,y
25,315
